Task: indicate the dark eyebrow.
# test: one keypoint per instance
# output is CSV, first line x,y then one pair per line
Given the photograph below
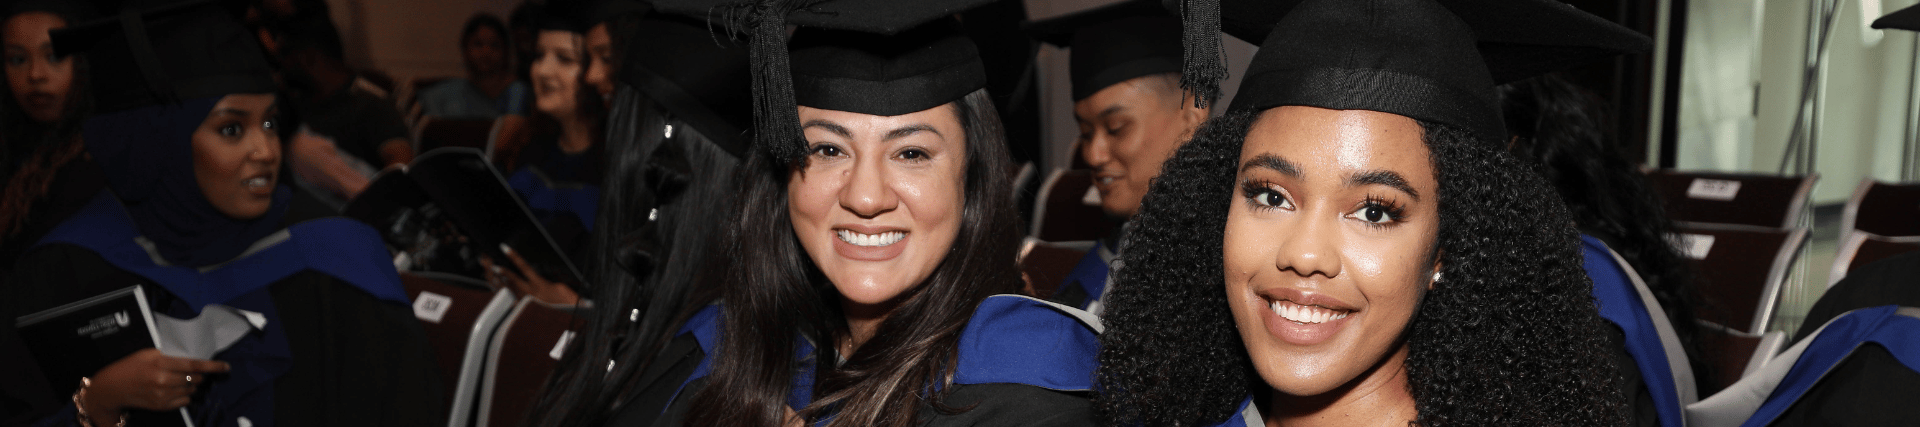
x,y
830,127
1110,110
1383,177
1269,161
229,112
910,130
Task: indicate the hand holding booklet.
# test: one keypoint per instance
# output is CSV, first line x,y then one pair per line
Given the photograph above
x,y
78,339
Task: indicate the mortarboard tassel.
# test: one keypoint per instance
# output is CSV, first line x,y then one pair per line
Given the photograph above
x,y
1203,61
775,120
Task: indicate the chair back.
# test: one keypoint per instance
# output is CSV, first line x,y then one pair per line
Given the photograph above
x,y
523,353
1858,248
1770,201
1062,212
459,315
1048,263
1885,209
1739,270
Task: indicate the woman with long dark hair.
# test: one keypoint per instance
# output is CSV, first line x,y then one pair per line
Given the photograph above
x,y
675,141
1350,244
260,309
46,171
874,231
558,173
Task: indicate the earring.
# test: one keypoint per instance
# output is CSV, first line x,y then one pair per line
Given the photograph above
x,y
1436,276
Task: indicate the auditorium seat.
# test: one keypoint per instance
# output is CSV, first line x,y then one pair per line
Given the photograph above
x,y
1858,248
1731,354
1769,201
523,353
1062,212
459,315
1884,209
437,132
1046,264
1739,270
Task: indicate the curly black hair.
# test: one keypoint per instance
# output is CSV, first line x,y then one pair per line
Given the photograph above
x,y
1510,337
1560,128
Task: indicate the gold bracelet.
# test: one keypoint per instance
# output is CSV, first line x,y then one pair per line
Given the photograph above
x,y
80,410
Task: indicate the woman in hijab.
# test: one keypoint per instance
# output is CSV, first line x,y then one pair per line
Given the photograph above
x,y
300,320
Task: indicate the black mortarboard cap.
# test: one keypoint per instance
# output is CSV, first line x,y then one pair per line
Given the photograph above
x,y
680,66
879,57
154,53
574,16
1432,60
1903,19
1114,43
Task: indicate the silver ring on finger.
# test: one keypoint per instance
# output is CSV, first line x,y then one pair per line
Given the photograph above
x,y
189,380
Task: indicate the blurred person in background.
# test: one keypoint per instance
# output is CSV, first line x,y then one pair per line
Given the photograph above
x,y
558,172
345,134
48,174
189,141
1557,126
1132,114
489,90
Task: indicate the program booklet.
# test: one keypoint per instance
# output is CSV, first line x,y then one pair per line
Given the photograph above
x,y
77,339
451,205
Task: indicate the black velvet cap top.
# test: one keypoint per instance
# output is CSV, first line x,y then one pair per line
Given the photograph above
x,y
1903,19
678,64
878,57
153,53
1432,60
574,16
1114,43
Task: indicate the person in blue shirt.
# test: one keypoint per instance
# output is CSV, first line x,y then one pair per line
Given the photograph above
x,y
489,90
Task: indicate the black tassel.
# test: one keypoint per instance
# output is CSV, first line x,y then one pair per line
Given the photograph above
x,y
1203,60
776,122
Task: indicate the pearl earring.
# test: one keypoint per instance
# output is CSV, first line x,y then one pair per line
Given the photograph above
x,y
1436,276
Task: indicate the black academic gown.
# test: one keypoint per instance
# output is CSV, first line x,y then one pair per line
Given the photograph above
x,y
1023,363
74,184
1870,387
357,359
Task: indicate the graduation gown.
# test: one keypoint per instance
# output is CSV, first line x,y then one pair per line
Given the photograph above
x,y
341,346
1657,377
1862,368
1088,280
74,185
1022,362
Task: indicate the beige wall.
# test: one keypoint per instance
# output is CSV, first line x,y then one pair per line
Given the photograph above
x,y
408,38
1735,44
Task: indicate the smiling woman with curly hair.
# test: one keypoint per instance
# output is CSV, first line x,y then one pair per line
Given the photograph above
x,y
1348,245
